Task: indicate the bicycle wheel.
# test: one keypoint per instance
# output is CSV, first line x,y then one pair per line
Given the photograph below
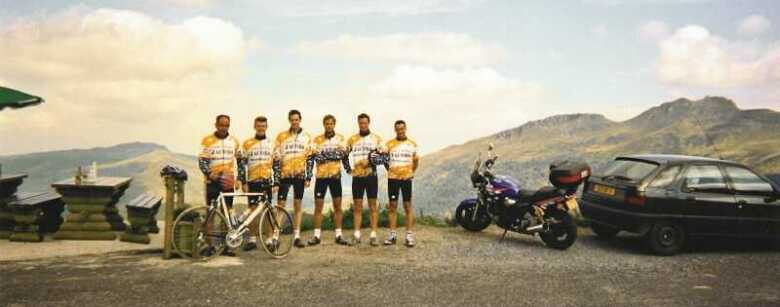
x,y
279,224
199,234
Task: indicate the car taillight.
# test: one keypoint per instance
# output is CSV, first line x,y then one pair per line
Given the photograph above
x,y
636,200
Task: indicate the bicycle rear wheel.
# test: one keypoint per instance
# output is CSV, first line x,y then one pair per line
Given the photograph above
x,y
199,234
276,224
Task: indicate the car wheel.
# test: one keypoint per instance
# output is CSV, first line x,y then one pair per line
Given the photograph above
x,y
604,231
666,238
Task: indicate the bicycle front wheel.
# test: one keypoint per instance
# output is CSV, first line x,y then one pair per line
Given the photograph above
x,y
199,234
276,224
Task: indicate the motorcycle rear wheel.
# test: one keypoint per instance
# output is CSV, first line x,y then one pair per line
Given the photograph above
x,y
562,234
464,215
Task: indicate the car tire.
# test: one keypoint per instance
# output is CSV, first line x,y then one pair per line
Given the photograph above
x,y
604,231
666,238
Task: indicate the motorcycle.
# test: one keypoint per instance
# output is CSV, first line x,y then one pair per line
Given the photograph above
x,y
544,212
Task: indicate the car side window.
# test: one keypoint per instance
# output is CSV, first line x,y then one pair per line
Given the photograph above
x,y
665,177
704,178
746,181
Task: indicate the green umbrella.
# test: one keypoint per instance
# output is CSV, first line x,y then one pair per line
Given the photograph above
x,y
15,99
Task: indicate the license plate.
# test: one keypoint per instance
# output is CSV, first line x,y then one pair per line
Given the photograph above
x,y
604,190
571,204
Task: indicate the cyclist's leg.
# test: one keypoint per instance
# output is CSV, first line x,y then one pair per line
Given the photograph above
x,y
335,194
254,225
268,190
320,189
358,190
393,189
212,193
284,189
372,189
406,189
298,199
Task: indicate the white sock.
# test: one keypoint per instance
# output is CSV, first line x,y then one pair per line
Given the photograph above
x,y
252,239
297,233
373,234
338,232
393,234
357,234
317,233
408,234
268,241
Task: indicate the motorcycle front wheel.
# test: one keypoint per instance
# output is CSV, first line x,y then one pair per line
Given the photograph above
x,y
562,231
465,216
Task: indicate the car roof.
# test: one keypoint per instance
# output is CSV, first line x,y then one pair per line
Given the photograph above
x,y
665,158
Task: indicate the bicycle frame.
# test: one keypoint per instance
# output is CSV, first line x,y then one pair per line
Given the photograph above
x,y
241,229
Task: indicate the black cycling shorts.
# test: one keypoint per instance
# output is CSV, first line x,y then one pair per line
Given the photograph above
x,y
322,185
212,192
259,187
402,187
297,184
365,185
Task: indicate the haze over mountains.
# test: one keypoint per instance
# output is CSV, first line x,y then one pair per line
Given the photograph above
x,y
712,126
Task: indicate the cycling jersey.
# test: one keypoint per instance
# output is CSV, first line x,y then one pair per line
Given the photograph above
x,y
294,153
257,162
359,146
402,154
217,155
330,155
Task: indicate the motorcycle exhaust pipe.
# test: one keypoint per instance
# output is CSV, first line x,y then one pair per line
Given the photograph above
x,y
535,228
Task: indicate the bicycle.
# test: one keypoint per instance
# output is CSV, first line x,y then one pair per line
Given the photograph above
x,y
213,228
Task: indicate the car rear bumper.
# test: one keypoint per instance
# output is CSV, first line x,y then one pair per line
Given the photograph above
x,y
617,218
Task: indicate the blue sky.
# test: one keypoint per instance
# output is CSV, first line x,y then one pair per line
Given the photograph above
x,y
455,70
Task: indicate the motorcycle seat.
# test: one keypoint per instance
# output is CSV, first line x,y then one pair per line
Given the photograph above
x,y
538,195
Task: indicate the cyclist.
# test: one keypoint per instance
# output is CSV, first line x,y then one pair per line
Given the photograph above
x,y
364,176
330,155
293,167
402,164
217,162
255,172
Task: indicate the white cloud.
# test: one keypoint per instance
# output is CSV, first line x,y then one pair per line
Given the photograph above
x,y
754,25
111,75
417,81
474,101
695,57
654,31
622,2
188,3
306,8
600,31
441,106
436,48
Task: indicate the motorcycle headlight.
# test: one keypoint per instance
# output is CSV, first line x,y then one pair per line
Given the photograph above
x,y
510,201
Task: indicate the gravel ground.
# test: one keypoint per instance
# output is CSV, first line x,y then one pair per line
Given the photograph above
x,y
448,267
65,248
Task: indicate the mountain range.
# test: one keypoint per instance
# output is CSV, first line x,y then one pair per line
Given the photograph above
x,y
712,126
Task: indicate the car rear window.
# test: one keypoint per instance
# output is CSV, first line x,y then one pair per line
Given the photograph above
x,y
629,170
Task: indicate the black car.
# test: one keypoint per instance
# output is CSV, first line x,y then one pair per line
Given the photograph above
x,y
671,198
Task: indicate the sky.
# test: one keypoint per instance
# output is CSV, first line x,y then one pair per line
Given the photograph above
x,y
161,70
